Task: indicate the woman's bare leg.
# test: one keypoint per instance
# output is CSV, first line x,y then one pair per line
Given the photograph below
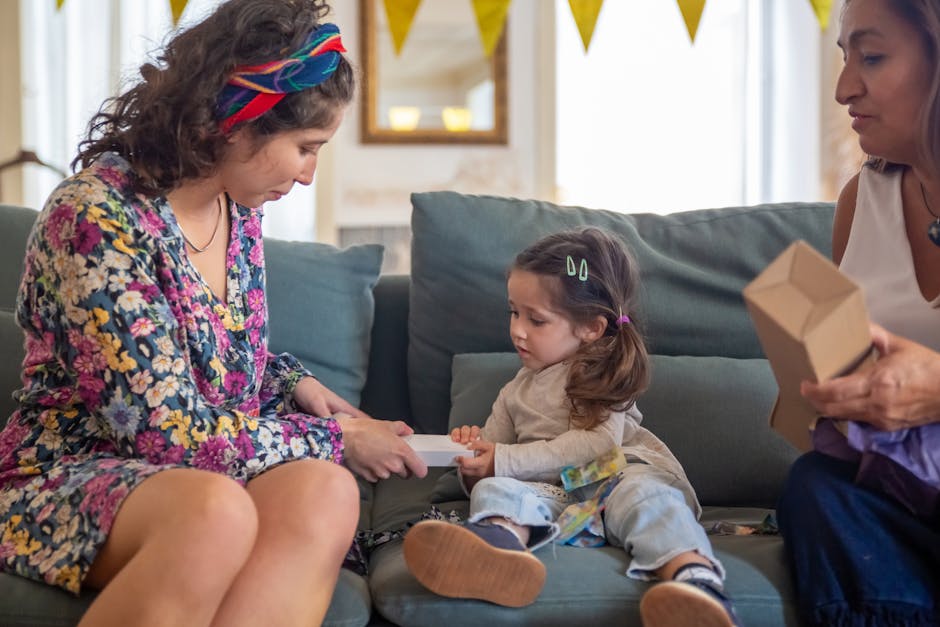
x,y
307,513
177,542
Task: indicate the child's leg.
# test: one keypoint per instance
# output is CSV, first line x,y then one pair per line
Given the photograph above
x,y
486,557
650,516
528,509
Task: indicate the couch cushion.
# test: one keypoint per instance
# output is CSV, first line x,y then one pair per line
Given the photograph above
x,y
583,586
26,603
693,265
17,223
11,361
321,308
704,409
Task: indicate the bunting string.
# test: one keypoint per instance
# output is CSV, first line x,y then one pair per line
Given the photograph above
x,y
491,17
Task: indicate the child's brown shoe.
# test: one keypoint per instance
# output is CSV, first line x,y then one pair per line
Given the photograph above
x,y
691,602
473,561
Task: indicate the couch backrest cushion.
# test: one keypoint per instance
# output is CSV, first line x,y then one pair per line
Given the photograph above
x,y
710,411
11,361
17,223
321,308
693,264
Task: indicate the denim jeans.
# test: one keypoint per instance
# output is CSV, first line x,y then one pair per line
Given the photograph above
x,y
646,514
858,557
524,503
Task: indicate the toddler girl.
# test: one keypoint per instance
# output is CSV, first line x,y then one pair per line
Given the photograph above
x,y
571,299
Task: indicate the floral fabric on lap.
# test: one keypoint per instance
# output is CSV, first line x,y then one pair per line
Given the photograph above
x,y
134,366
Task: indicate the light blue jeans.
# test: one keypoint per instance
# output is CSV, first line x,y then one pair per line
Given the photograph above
x,y
647,514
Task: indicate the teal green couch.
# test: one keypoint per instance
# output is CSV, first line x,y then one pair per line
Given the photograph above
x,y
432,348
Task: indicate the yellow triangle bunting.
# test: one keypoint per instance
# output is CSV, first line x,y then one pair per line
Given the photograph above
x,y
58,4
400,14
822,8
585,14
691,13
176,8
491,17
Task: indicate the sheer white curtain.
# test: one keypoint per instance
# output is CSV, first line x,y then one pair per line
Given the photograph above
x,y
647,121
76,57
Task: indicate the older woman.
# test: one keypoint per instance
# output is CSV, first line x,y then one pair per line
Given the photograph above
x,y
861,520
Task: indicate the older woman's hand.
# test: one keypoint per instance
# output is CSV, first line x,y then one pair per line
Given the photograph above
x,y
901,390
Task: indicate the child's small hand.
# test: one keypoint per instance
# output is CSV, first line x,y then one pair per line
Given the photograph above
x,y
465,434
480,466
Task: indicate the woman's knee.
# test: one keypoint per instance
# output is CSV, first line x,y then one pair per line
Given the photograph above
x,y
185,515
640,500
308,498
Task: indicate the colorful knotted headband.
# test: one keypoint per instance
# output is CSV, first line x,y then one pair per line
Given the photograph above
x,y
254,89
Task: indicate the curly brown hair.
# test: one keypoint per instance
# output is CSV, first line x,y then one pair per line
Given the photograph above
x,y
612,371
166,125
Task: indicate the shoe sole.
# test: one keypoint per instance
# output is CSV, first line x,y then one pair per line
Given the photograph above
x,y
673,604
451,561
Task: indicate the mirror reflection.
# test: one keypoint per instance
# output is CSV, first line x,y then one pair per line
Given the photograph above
x,y
441,87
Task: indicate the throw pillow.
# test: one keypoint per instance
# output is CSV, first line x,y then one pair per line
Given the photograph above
x,y
321,308
710,411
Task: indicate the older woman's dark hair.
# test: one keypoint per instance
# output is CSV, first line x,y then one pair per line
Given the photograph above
x,y
611,372
166,125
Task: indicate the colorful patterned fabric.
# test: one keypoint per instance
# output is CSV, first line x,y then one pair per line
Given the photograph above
x,y
610,463
134,366
581,523
254,89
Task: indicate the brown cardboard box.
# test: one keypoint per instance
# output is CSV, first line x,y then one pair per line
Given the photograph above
x,y
813,325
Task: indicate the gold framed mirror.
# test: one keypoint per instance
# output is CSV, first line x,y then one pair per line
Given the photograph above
x,y
441,88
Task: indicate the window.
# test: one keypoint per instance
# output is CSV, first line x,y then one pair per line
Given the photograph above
x,y
647,121
89,50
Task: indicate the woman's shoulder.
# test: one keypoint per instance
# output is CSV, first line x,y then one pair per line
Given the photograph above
x,y
101,183
95,201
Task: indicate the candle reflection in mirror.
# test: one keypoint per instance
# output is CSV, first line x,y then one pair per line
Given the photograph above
x,y
457,119
404,118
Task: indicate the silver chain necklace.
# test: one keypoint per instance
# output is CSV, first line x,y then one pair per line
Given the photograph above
x,y
215,231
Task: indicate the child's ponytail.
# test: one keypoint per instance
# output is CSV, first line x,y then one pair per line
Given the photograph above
x,y
608,374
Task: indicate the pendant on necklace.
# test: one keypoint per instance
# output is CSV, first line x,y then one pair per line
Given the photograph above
x,y
933,232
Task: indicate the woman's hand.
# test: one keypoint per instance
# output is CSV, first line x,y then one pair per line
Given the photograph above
x,y
901,390
465,434
374,449
482,465
314,398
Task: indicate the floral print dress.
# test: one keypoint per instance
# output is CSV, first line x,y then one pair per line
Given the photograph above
x,y
134,366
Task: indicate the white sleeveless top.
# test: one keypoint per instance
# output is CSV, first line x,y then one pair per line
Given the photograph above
x,y
878,257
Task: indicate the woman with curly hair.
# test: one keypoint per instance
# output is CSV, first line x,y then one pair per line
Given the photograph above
x,y
160,454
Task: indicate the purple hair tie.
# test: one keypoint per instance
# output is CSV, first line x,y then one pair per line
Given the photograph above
x,y
623,320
